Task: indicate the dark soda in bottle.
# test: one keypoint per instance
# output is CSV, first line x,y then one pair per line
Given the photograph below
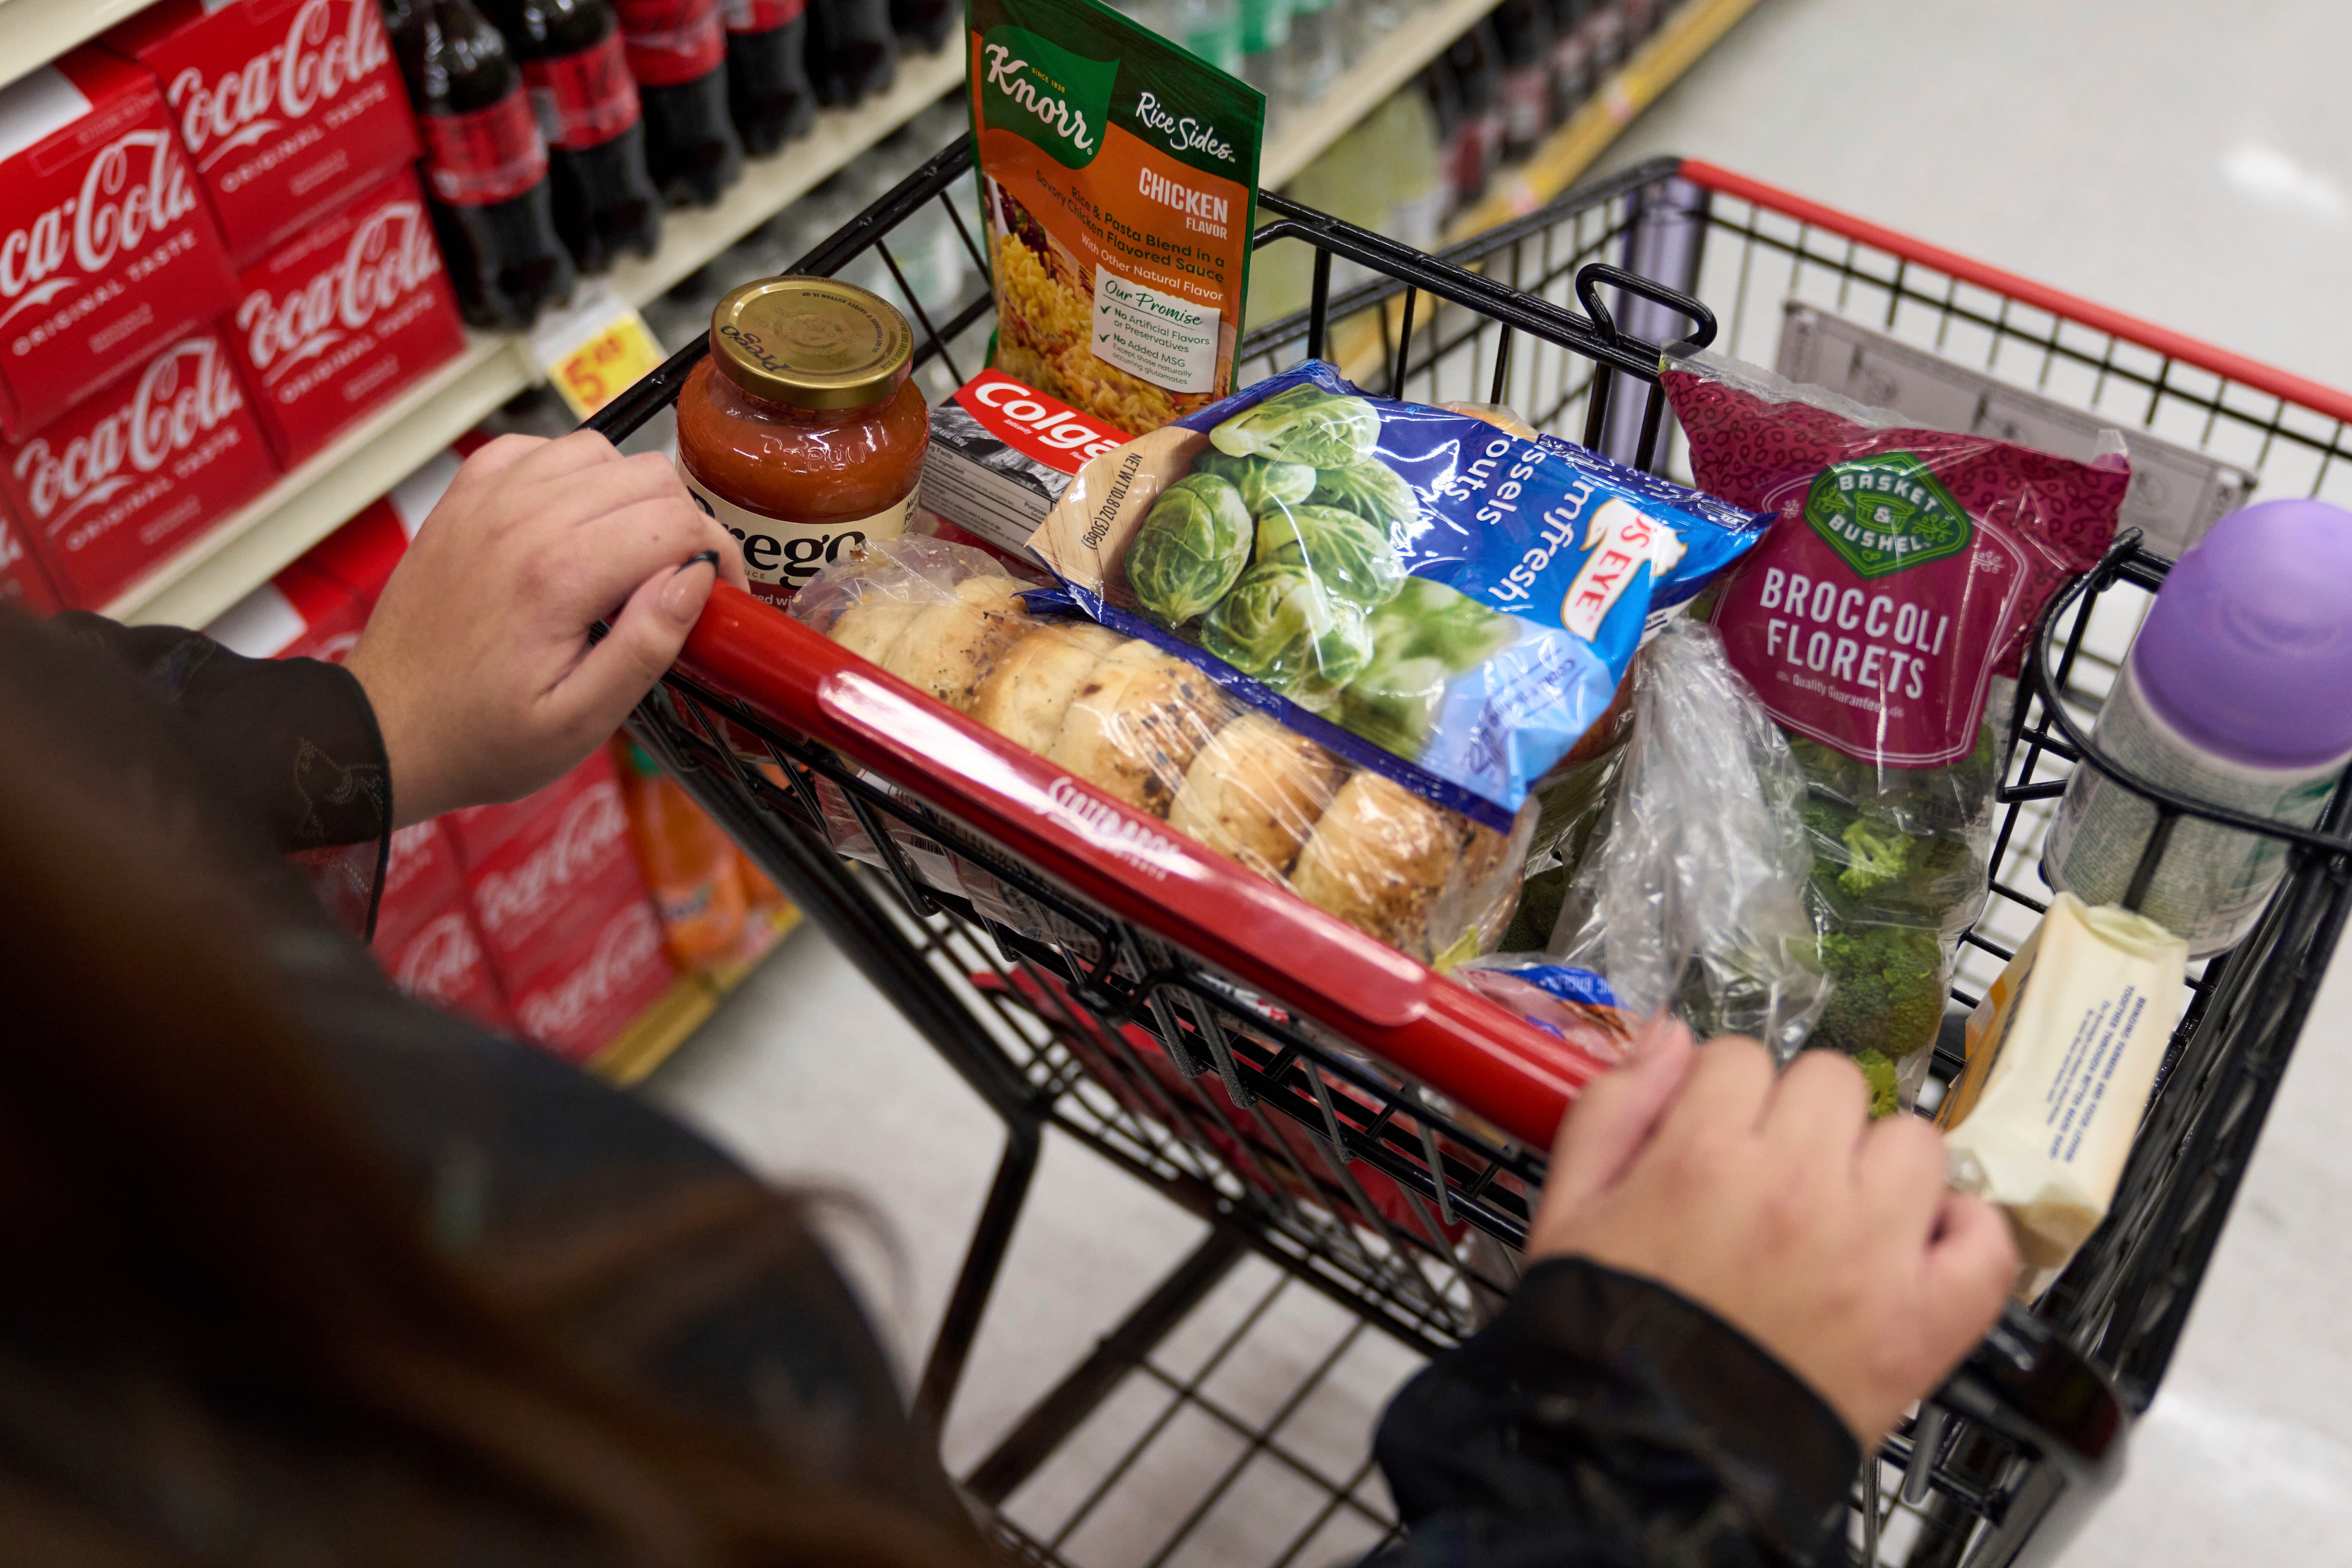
x,y
678,52
852,51
768,86
923,24
484,165
586,103
1475,59
1524,27
1572,76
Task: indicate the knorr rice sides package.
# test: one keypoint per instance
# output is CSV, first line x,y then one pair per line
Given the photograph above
x,y
1117,177
1427,596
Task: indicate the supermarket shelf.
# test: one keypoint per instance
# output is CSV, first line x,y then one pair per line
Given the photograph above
x,y
1393,62
660,1029
308,504
35,32
1568,151
1565,154
671,1021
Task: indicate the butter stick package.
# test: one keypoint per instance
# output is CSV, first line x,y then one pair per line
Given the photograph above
x,y
2062,1054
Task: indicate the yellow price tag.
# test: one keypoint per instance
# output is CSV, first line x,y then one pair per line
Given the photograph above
x,y
595,348
597,372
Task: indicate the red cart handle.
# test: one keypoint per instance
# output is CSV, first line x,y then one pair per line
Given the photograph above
x,y
1467,1048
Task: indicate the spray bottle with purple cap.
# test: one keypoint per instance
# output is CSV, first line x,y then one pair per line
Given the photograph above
x,y
2237,690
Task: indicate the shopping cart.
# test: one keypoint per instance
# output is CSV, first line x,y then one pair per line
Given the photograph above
x,y
1373,1129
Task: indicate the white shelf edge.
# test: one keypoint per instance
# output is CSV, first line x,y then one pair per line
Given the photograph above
x,y
253,544
1364,85
35,32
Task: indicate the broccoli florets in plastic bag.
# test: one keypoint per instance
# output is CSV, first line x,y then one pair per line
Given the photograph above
x,y
1695,896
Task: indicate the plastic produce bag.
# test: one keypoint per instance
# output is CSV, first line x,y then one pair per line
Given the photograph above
x,y
1152,730
1694,897
1877,622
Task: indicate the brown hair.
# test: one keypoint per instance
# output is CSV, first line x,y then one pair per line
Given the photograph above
x,y
188,1205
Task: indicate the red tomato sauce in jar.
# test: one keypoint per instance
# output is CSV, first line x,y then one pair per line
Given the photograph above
x,y
802,432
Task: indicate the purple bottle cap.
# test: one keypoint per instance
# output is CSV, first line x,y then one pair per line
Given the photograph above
x,y
2248,649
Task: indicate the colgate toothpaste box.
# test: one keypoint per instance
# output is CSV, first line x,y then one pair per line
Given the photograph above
x,y
535,876
343,317
616,968
24,585
1001,453
106,249
288,108
426,941
118,484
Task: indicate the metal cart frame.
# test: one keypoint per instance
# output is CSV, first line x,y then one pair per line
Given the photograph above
x,y
1371,1128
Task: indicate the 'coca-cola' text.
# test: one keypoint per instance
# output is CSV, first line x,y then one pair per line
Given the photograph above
x,y
312,66
185,393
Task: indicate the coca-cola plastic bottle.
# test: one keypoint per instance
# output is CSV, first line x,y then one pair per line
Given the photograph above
x,y
1525,28
852,51
678,52
1475,59
586,103
1572,78
484,165
924,24
767,71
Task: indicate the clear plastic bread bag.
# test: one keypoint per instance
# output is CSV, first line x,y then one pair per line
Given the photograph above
x,y
1148,728
940,617
1693,898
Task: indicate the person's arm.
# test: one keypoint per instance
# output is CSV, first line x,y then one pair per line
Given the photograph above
x,y
1740,1283
290,744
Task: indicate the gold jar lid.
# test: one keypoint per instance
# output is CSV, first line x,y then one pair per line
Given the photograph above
x,y
811,342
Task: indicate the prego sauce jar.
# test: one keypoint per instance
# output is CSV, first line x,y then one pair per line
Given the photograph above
x,y
802,432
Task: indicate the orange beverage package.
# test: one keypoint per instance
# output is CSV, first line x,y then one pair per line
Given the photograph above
x,y
689,863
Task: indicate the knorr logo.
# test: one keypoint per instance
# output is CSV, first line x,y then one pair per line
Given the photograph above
x,y
1042,93
1886,514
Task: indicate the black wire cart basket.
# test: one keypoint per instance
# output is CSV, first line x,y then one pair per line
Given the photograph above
x,y
1370,1129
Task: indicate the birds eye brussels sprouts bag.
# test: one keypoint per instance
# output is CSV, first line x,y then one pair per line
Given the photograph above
x,y
1117,173
1438,609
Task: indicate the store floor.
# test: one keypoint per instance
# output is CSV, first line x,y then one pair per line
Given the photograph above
x,y
2183,160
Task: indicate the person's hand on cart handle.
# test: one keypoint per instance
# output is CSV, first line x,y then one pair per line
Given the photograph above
x,y
1774,1201
477,660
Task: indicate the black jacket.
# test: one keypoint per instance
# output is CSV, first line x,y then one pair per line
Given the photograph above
x,y
1599,1420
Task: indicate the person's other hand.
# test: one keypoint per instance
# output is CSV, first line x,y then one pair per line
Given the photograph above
x,y
477,660
1775,1202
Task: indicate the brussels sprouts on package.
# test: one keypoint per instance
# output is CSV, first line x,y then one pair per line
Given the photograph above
x,y
1428,596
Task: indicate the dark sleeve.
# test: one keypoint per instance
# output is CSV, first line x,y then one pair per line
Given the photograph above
x,y
290,744
1603,1419
657,1256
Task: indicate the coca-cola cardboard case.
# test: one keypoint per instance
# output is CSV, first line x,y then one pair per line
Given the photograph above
x,y
614,971
106,249
288,108
24,585
542,868
116,484
342,318
426,941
